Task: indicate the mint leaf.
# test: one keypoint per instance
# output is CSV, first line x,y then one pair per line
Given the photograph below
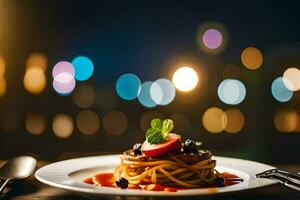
x,y
156,126
167,126
155,138
151,131
159,130
156,123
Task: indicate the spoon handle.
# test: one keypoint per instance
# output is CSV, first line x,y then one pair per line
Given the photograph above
x,y
4,185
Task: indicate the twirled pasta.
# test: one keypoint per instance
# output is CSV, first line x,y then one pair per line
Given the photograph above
x,y
171,172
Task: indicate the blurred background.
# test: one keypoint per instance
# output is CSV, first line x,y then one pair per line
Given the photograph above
x,y
86,77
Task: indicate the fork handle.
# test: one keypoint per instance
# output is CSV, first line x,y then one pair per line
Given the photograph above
x,y
290,176
295,187
286,182
292,185
4,185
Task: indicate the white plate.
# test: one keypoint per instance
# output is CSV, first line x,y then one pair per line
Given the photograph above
x,y
69,174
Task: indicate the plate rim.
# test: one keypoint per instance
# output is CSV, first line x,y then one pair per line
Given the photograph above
x,y
95,190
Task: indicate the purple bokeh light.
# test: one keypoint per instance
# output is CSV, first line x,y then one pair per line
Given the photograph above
x,y
212,38
63,67
63,77
64,88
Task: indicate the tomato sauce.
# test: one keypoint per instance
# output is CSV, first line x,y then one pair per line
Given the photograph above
x,y
107,180
231,179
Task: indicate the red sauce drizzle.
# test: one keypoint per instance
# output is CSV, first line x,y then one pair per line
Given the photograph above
x,y
107,179
89,180
231,179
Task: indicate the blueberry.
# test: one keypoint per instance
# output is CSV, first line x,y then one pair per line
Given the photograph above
x,y
219,181
190,146
137,149
122,183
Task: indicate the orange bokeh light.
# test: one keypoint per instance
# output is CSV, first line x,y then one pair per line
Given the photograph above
x,y
252,58
285,120
38,60
34,80
214,120
235,120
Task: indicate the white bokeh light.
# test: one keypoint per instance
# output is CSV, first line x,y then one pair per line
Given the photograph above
x,y
231,91
185,79
162,92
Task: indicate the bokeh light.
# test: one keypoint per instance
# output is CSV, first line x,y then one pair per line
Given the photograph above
x,y
2,77
84,96
64,83
87,122
2,86
292,79
147,117
115,122
231,91
2,66
297,128
144,96
84,68
63,67
280,91
214,120
35,80
162,91
212,37
185,79
38,60
252,58
235,120
128,86
285,120
63,125
106,98
63,78
35,123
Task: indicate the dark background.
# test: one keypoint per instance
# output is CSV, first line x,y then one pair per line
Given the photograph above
x,y
146,38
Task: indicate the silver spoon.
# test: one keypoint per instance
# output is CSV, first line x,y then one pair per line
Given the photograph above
x,y
17,168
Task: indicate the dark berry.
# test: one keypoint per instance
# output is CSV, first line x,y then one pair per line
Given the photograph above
x,y
219,181
122,183
137,149
190,146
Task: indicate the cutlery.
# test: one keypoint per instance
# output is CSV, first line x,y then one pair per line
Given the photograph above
x,y
291,180
16,169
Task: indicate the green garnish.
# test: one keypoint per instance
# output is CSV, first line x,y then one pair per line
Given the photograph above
x,y
159,130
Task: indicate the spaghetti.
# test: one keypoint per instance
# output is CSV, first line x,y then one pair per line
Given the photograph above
x,y
172,170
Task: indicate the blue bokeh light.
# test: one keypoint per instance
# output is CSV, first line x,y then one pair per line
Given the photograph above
x,y
162,91
145,97
84,68
280,91
128,86
231,91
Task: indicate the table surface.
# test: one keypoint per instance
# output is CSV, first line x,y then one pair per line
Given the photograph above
x,y
32,189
